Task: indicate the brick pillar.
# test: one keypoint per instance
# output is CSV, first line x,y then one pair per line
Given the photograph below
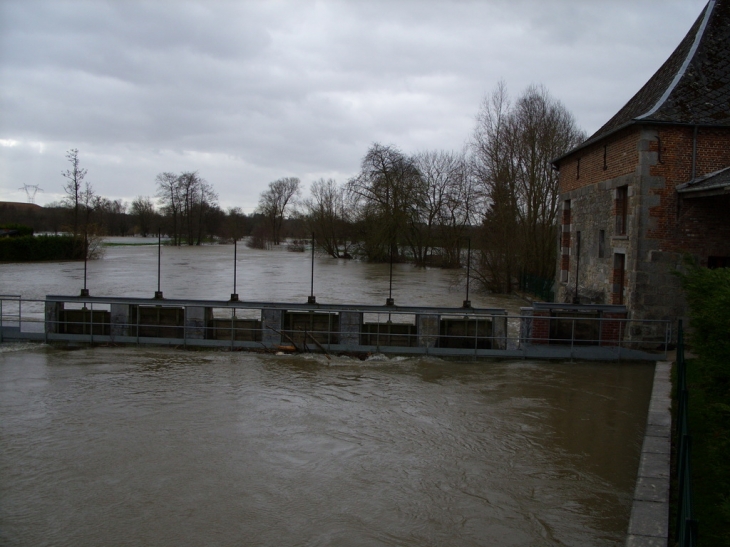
x,y
611,330
619,279
540,327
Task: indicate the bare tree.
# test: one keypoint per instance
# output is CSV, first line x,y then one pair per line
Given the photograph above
x,y
273,204
144,211
168,194
328,217
236,223
442,207
78,191
512,148
384,191
207,203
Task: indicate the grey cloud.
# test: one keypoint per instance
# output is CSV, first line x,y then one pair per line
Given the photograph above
x,y
251,91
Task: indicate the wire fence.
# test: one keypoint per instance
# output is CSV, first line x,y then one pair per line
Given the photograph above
x,y
686,532
538,286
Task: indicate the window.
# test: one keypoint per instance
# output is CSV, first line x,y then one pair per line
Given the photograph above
x,y
622,208
619,265
718,262
601,243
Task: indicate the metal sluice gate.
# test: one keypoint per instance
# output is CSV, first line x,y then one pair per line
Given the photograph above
x,y
543,331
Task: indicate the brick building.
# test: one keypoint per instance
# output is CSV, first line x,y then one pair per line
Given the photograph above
x,y
653,183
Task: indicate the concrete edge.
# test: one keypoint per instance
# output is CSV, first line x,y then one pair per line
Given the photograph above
x,y
649,522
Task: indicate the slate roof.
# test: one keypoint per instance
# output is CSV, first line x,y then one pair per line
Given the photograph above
x,y
711,184
691,87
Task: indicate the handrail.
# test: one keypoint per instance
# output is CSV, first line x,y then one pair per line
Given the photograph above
x,y
486,331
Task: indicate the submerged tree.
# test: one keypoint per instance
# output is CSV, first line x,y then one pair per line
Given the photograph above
x,y
384,192
328,217
187,200
143,210
274,203
442,208
512,149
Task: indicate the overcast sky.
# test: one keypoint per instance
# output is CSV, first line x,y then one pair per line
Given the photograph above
x,y
248,92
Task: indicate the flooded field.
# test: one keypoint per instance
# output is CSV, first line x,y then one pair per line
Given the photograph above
x,y
277,275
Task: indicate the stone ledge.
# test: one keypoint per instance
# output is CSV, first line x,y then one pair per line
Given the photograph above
x,y
645,541
657,445
649,522
652,489
654,465
649,518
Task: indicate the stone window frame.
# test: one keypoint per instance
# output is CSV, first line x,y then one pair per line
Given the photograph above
x,y
601,243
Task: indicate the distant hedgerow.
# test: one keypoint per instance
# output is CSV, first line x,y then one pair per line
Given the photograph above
x,y
44,247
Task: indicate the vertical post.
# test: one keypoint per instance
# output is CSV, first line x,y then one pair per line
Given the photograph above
x,y
572,336
234,295
312,299
158,294
390,301
467,302
85,291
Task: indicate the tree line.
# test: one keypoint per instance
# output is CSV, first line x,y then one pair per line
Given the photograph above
x,y
499,195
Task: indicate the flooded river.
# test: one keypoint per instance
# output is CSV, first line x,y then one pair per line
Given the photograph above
x,y
141,446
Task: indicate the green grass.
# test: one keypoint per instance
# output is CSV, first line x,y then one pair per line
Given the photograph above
x,y
129,244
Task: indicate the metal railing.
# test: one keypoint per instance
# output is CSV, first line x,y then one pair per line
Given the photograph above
x,y
540,287
338,328
9,318
686,532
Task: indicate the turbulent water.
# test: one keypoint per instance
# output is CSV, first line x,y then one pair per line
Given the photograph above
x,y
140,446
133,446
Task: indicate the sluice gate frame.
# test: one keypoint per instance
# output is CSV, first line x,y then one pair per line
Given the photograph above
x,y
544,331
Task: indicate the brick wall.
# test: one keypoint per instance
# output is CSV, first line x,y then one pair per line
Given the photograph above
x,y
611,330
540,327
695,225
615,157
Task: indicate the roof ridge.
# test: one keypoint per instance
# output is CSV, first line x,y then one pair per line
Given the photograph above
x,y
690,54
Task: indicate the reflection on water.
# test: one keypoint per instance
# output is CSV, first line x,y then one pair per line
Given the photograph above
x,y
139,446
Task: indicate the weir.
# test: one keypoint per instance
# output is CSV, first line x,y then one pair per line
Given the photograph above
x,y
544,331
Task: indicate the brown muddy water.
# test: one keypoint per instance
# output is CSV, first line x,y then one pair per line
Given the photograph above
x,y
146,446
